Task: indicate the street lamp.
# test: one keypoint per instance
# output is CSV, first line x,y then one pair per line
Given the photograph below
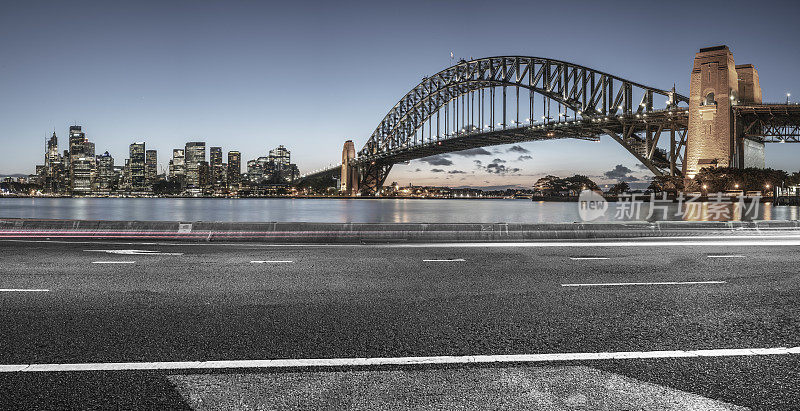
x,y
787,97
736,186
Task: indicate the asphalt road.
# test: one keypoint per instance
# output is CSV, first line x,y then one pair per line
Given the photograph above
x,y
189,302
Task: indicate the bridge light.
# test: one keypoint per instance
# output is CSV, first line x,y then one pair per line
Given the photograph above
x,y
736,185
767,186
619,107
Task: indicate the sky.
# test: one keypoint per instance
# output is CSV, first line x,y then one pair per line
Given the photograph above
x,y
250,75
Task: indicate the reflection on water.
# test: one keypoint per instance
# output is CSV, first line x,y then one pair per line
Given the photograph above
x,y
362,210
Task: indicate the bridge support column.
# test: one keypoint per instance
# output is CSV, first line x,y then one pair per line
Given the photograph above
x,y
717,84
349,178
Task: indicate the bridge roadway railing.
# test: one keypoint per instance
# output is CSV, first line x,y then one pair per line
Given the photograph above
x,y
587,128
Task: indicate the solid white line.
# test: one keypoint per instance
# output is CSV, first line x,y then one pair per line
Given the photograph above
x,y
133,252
588,258
361,362
455,259
640,243
726,256
113,262
24,290
273,261
740,240
625,284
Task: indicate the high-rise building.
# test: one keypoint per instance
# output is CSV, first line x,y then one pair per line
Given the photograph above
x,y
234,168
83,175
203,174
53,167
215,166
151,167
137,167
177,166
280,156
195,154
77,149
106,176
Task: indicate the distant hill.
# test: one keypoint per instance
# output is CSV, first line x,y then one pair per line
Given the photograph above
x,y
13,175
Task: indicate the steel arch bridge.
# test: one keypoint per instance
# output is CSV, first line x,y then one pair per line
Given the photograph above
x,y
508,99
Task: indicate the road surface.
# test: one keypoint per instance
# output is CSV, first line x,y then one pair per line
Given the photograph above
x,y
112,302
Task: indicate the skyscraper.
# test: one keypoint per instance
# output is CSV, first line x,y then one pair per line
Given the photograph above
x,y
195,154
53,166
216,171
106,176
151,167
234,168
280,156
77,149
137,167
177,166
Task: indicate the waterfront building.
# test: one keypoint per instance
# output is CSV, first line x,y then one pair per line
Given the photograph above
x,y
276,168
216,171
280,156
83,175
177,166
151,167
234,168
136,167
80,148
203,174
195,154
53,180
106,177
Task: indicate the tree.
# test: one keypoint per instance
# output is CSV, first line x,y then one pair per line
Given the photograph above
x,y
721,179
669,184
619,188
578,183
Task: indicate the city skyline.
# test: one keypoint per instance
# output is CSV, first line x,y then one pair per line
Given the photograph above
x,y
250,94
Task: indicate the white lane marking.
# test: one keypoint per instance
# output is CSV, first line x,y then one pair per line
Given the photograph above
x,y
271,261
360,362
641,243
113,262
133,252
439,261
655,283
740,240
726,256
588,258
24,290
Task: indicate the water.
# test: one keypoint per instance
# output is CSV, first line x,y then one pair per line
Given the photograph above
x,y
338,210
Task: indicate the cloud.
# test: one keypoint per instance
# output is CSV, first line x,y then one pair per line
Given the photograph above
x,y
472,152
437,170
478,162
518,149
496,168
498,160
417,170
456,172
522,158
437,160
641,166
620,173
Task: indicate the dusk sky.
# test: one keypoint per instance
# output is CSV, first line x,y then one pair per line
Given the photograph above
x,y
249,75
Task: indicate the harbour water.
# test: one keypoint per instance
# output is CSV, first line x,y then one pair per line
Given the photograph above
x,y
357,210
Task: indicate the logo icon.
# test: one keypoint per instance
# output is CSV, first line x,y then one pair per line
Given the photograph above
x,y
591,205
